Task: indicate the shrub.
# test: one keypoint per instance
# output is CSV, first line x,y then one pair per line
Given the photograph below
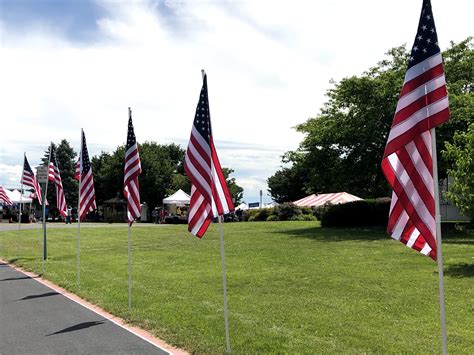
x,y
273,217
357,213
257,215
303,217
287,210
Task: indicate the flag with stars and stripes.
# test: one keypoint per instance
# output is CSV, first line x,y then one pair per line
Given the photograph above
x,y
55,177
132,170
86,182
407,162
29,179
4,197
209,194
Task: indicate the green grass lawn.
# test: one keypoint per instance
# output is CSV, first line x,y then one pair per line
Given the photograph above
x,y
293,287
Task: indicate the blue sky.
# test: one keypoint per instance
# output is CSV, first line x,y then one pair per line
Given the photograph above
x,y
68,65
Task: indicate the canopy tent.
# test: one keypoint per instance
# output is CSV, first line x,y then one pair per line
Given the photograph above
x,y
14,196
179,198
243,206
321,199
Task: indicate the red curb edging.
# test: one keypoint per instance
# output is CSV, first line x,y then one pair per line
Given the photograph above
x,y
141,333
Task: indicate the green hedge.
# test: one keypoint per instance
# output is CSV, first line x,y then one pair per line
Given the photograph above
x,y
356,214
282,212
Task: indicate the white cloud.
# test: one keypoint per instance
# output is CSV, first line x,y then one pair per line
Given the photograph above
x,y
268,64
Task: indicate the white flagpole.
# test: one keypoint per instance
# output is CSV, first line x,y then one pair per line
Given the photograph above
x,y
439,249
19,211
224,282
129,268
44,208
79,218
21,190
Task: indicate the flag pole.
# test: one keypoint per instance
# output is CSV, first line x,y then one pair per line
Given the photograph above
x,y
19,211
79,217
224,283
439,250
129,268
224,277
44,209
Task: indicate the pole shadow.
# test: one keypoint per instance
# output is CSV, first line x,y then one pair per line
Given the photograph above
x,y
459,270
76,327
47,294
19,278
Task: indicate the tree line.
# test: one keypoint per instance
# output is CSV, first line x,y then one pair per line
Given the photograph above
x,y
343,145
162,174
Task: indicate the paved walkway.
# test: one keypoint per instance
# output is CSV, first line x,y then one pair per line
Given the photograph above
x,y
35,319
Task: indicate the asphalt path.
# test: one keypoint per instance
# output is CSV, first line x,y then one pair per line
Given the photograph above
x,y
35,319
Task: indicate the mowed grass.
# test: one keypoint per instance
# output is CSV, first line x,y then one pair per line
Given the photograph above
x,y
293,287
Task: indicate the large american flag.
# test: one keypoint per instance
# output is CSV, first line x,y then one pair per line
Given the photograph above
x,y
29,179
132,170
86,192
407,162
209,194
4,197
55,177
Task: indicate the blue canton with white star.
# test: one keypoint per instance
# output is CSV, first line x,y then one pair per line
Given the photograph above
x,y
202,119
27,167
86,165
426,41
131,139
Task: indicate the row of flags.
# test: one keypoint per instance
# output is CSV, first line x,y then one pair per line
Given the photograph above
x,y
210,197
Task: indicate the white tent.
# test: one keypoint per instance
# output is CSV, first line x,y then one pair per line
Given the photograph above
x,y
15,195
243,206
179,198
321,199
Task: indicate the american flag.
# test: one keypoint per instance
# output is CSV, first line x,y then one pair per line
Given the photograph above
x,y
86,182
209,194
29,179
407,162
55,177
132,170
4,197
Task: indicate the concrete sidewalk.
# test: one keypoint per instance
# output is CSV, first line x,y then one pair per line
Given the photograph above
x,y
36,319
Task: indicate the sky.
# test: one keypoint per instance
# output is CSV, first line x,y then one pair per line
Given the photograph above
x,y
72,64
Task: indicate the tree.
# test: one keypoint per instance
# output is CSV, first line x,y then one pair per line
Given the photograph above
x,y
461,151
343,145
236,192
161,166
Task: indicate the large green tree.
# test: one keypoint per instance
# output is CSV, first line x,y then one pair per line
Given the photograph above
x,y
343,145
160,172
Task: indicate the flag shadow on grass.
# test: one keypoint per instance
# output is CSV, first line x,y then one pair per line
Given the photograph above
x,y
76,327
459,270
338,234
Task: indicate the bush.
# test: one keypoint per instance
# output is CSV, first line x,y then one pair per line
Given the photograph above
x,y
286,211
303,217
283,212
257,215
357,213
